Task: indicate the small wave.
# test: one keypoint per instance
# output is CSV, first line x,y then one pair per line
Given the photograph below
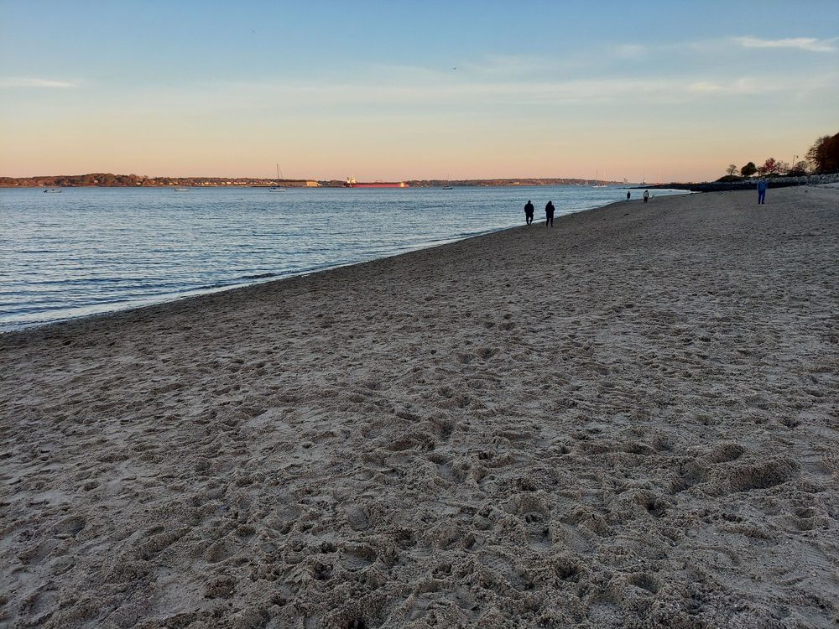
x,y
90,281
231,282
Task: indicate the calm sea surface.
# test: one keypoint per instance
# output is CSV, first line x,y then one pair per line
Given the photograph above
x,y
93,250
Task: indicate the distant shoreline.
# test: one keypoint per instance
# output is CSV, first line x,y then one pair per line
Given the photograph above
x,y
97,180
108,180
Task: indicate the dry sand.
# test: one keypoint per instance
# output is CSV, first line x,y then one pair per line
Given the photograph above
x,y
627,421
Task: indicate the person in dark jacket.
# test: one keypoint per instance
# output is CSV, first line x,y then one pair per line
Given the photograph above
x,y
549,214
528,212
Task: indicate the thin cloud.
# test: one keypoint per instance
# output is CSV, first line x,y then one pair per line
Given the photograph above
x,y
705,87
40,83
649,89
425,92
630,51
810,44
509,65
742,86
800,86
494,65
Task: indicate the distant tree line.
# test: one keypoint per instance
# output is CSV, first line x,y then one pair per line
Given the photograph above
x,y
105,180
823,157
109,180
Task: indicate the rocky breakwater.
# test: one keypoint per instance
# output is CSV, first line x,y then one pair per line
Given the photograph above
x,y
725,186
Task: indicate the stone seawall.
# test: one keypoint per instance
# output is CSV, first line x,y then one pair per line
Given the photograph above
x,y
774,182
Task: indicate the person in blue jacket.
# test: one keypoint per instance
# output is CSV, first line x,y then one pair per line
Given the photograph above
x,y
762,185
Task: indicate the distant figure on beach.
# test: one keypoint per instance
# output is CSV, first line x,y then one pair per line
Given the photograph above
x,y
549,214
528,212
762,185
628,195
646,195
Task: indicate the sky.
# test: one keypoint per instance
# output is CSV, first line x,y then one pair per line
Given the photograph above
x,y
656,90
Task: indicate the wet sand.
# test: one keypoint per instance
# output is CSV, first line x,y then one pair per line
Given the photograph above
x,y
630,420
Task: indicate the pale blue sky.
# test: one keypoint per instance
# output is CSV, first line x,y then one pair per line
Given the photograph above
x,y
330,89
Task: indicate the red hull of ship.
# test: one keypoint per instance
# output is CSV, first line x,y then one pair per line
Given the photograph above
x,y
399,184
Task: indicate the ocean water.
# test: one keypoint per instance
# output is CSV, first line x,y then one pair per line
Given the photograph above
x,y
95,250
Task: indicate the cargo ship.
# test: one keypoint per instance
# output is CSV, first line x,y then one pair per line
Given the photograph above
x,y
352,183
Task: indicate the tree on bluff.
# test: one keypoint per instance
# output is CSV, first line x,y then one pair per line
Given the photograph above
x,y
824,154
799,169
748,170
770,167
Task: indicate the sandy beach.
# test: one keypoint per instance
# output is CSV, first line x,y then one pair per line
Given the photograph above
x,y
629,420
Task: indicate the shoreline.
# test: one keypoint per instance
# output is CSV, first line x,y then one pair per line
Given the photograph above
x,y
627,420
82,319
198,293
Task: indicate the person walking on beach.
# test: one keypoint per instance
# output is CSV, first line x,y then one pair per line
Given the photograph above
x,y
646,195
628,195
762,185
528,212
549,214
